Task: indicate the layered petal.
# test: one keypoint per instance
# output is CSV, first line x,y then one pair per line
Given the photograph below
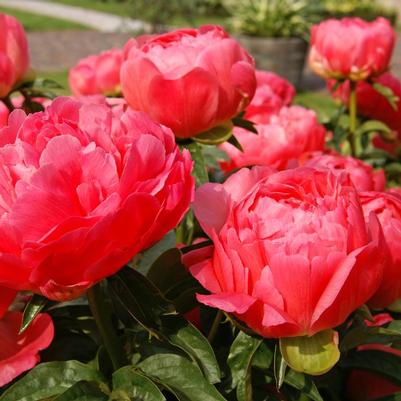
x,y
292,253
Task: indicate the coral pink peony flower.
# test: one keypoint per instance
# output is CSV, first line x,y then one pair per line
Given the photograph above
x,y
190,80
351,48
97,74
362,175
373,105
292,254
387,207
82,192
14,56
20,352
289,134
272,94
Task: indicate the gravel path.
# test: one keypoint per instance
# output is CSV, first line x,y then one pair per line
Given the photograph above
x,y
55,51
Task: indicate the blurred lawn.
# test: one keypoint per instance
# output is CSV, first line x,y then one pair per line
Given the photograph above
x,y
61,77
112,7
322,103
36,22
123,9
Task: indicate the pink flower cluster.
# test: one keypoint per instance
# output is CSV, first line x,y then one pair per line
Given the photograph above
x,y
84,188
351,48
300,240
189,80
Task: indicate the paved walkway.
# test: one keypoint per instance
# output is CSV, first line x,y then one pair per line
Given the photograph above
x,y
55,51
93,19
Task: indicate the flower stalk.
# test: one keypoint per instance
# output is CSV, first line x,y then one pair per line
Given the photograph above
x,y
352,118
7,101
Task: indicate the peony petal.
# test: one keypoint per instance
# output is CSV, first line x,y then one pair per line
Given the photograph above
x,y
188,105
211,207
228,301
6,298
22,352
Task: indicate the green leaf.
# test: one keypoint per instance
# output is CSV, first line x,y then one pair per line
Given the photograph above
x,y
145,260
235,142
382,363
139,299
280,367
239,121
368,335
47,83
179,375
313,355
131,385
376,126
216,135
32,309
393,168
239,361
83,391
184,335
174,281
199,170
303,383
263,358
387,93
396,305
50,379
395,325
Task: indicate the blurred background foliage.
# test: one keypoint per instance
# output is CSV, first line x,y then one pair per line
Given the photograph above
x,y
269,18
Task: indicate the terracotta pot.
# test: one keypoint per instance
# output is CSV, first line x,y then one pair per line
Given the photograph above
x,y
284,56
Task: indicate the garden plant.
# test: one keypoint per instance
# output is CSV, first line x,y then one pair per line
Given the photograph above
x,y
179,229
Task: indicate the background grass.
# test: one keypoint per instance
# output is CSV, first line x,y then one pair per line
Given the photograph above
x,y
112,7
35,22
61,77
123,9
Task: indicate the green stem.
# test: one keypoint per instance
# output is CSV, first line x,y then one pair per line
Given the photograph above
x,y
104,324
215,326
352,118
7,101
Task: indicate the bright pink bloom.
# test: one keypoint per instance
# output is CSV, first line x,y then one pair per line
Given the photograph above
x,y
20,352
362,175
97,74
351,48
83,191
14,56
190,80
387,207
373,105
289,134
292,254
272,94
